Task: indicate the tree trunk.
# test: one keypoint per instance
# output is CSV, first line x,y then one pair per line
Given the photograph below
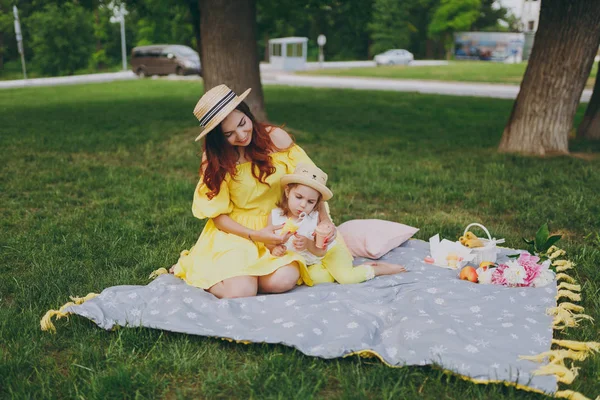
x,y
100,65
266,40
229,50
559,66
590,126
429,49
194,7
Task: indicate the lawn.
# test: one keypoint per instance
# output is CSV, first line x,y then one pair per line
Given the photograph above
x,y
461,71
96,184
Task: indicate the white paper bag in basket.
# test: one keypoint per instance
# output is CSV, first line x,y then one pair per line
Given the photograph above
x,y
449,254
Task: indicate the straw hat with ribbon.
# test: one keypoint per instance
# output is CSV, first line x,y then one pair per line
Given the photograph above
x,y
311,176
214,106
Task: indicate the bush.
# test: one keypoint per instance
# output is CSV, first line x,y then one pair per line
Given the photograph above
x,y
62,38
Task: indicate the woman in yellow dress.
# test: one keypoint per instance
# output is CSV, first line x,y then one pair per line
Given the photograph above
x,y
242,164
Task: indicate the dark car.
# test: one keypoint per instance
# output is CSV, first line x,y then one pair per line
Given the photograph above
x,y
164,59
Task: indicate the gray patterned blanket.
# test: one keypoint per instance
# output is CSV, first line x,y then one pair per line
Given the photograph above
x,y
424,316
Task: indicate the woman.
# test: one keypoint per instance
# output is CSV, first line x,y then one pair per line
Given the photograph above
x,y
242,164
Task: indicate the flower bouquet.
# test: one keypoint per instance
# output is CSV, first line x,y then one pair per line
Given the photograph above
x,y
528,269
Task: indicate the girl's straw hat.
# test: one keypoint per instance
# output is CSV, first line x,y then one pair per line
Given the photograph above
x,y
311,176
214,106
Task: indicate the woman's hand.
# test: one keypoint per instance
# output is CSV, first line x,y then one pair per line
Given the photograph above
x,y
268,237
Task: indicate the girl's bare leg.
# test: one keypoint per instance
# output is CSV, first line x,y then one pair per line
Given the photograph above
x,y
385,268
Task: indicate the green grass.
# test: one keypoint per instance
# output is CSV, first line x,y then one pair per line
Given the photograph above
x,y
96,187
462,71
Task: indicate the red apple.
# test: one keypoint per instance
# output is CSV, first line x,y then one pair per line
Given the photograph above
x,y
468,274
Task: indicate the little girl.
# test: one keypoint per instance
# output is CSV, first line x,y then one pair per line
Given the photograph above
x,y
303,191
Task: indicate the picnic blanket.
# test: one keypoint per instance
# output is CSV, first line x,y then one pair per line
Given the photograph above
x,y
424,316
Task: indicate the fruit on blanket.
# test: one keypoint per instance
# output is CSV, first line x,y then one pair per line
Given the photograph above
x,y
470,240
468,274
473,243
470,235
452,260
486,264
429,260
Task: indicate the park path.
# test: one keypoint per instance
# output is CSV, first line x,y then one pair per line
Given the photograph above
x,y
271,77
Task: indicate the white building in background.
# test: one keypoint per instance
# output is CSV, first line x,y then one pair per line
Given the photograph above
x,y
288,53
528,12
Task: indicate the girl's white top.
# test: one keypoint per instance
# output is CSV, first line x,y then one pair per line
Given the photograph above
x,y
306,228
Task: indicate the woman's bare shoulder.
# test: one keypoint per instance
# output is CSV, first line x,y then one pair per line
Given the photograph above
x,y
280,138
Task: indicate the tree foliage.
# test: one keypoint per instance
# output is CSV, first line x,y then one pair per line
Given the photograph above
x,y
453,16
391,25
355,29
63,38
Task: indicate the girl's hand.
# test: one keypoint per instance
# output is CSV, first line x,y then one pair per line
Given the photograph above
x,y
268,236
279,250
300,242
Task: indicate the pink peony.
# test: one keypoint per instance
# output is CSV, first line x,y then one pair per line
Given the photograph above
x,y
498,275
525,260
530,263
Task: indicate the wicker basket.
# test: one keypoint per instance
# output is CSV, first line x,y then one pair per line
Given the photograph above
x,y
489,251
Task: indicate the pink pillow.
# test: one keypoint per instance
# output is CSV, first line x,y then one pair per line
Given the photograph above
x,y
372,238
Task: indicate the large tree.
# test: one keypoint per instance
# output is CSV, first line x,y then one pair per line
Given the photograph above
x,y
229,52
559,66
590,126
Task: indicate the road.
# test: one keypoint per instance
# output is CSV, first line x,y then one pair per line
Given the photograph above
x,y
271,77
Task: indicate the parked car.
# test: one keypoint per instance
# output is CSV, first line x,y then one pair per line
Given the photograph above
x,y
394,56
163,59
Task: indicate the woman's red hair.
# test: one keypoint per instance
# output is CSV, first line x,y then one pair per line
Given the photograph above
x,y
221,157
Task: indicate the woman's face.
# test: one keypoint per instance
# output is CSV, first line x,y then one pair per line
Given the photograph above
x,y
237,128
301,199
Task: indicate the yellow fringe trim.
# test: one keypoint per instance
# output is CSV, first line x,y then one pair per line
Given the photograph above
x,y
557,254
569,286
374,354
560,263
236,341
46,322
556,356
563,265
566,315
563,268
565,277
570,394
578,346
564,306
155,274
79,300
562,373
552,249
569,295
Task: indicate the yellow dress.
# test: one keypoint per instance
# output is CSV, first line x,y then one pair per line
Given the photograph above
x,y
218,255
